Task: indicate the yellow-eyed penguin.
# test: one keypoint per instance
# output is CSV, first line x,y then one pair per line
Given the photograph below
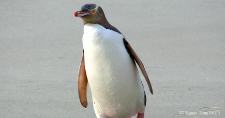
x,y
108,65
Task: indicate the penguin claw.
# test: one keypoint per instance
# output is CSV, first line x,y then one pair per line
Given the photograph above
x,y
140,115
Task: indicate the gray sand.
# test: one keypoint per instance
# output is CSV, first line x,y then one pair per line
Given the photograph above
x,y
181,43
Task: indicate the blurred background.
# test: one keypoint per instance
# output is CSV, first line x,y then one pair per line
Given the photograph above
x,y
181,43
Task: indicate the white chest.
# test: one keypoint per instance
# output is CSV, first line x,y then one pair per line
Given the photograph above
x,y
105,54
112,76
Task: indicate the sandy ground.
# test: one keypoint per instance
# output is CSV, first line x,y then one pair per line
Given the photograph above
x,y
181,43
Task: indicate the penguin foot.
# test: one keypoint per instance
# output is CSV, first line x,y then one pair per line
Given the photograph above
x,y
140,115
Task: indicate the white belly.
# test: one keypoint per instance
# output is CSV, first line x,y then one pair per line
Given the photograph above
x,y
112,75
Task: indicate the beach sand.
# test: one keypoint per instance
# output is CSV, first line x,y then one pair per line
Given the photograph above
x,y
181,43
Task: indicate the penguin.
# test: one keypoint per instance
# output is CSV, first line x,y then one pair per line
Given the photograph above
x,y
109,66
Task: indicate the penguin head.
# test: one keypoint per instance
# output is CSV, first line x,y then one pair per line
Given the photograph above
x,y
88,7
91,13
87,10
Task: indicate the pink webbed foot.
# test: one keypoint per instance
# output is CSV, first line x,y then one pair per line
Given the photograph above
x,y
140,115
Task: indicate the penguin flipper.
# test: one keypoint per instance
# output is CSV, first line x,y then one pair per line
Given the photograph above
x,y
82,83
135,57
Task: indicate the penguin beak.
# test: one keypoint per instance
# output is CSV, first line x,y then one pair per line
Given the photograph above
x,y
81,14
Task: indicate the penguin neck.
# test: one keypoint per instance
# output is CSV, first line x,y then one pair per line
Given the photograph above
x,y
105,24
100,19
